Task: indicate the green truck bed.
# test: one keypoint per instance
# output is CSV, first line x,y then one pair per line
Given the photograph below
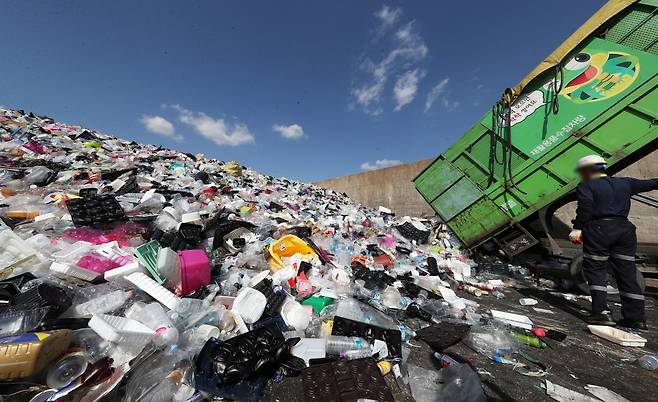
x,y
505,169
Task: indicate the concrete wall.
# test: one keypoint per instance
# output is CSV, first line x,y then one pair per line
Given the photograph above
x,y
390,187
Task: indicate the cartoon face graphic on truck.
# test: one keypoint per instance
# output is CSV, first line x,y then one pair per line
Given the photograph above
x,y
594,76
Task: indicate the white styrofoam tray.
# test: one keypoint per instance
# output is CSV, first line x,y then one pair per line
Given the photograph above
x,y
617,336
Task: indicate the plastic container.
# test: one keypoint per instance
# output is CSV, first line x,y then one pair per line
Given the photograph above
x,y
318,303
103,304
165,389
14,249
20,319
309,348
120,330
153,316
168,265
295,315
649,362
337,344
191,217
74,251
122,271
201,334
249,304
356,354
147,254
45,295
617,336
194,271
287,246
76,272
154,290
27,354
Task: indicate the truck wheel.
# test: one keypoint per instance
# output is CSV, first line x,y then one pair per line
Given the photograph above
x,y
578,276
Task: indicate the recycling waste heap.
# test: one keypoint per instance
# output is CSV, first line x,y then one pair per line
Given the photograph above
x,y
133,272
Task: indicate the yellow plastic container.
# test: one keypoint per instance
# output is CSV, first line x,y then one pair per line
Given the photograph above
x,y
287,246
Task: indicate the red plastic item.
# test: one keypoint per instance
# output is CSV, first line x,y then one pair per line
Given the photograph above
x,y
194,271
539,332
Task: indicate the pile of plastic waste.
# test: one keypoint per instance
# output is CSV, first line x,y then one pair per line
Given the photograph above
x,y
138,273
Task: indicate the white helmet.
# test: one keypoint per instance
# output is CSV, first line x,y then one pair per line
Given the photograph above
x,y
590,160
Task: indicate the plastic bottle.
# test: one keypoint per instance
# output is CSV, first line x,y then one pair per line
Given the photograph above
x,y
446,361
530,340
27,354
198,336
103,304
153,316
165,389
339,344
356,354
649,362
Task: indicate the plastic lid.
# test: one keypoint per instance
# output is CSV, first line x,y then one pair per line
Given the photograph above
x,y
249,304
206,331
66,369
295,315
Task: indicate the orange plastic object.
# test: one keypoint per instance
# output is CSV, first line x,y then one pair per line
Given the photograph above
x,y
7,192
22,214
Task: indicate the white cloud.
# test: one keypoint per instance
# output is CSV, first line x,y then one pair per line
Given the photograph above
x,y
380,164
408,49
291,132
160,126
440,93
406,87
216,130
388,16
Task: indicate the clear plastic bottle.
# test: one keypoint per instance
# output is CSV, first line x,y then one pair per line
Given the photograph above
x,y
153,316
649,362
197,337
165,389
103,304
356,354
339,344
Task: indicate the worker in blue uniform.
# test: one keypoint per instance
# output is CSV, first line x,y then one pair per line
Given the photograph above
x,y
609,240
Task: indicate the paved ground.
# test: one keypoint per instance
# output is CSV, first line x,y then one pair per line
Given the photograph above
x,y
580,360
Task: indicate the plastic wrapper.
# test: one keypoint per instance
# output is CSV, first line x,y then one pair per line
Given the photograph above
x,y
491,340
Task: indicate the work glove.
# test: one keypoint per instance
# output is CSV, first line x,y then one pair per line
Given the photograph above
x,y
576,236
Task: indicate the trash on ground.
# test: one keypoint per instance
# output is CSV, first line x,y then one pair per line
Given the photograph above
x,y
617,336
138,272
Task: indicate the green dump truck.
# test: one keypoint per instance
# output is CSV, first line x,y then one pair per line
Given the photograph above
x,y
596,94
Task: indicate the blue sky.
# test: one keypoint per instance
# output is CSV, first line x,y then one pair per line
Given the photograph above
x,y
302,89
